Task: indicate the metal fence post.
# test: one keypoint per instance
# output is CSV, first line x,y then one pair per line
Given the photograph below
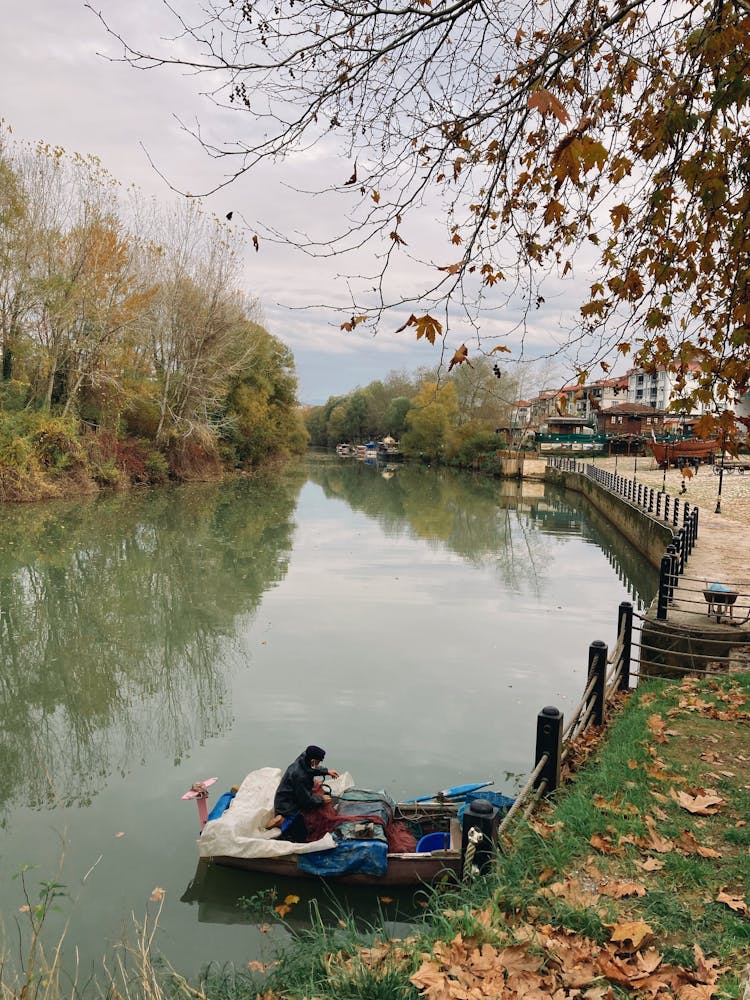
x,y
665,572
598,666
549,728
625,629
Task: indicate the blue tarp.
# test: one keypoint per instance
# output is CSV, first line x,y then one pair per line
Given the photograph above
x,y
222,804
370,857
501,802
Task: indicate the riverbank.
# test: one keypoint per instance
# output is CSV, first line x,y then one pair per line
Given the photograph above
x,y
635,878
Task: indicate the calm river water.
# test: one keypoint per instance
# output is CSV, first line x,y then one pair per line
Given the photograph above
x,y
412,622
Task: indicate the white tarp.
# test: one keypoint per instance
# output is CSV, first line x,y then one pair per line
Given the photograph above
x,y
241,832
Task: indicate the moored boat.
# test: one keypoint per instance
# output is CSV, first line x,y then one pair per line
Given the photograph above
x,y
374,841
684,450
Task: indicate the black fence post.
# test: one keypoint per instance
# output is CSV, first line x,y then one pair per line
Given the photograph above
x,y
549,729
665,572
685,546
625,629
598,667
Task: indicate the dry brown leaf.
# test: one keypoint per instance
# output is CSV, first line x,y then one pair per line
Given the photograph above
x,y
571,892
631,935
736,903
650,865
605,844
703,803
689,844
619,890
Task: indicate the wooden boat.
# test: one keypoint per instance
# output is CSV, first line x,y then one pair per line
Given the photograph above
x,y
432,825
683,451
404,868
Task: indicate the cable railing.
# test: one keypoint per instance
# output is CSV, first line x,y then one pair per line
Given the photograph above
x,y
656,505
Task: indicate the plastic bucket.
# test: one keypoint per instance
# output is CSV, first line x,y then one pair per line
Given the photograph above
x,y
433,842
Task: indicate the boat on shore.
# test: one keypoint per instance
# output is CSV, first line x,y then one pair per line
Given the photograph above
x,y
684,451
369,839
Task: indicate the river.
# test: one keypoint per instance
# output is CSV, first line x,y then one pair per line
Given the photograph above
x,y
413,622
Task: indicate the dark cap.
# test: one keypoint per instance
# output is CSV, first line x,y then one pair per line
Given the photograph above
x,y
314,753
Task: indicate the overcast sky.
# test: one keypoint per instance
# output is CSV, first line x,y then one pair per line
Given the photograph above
x,y
57,86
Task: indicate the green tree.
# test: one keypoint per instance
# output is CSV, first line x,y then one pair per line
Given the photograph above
x,y
356,417
429,421
395,416
263,419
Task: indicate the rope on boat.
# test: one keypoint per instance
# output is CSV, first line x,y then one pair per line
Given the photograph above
x,y
475,838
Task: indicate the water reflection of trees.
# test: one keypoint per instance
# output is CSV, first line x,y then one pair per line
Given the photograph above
x,y
115,616
507,524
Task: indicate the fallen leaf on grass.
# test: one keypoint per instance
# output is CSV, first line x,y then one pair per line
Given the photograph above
x,y
688,844
605,844
656,728
736,903
571,892
631,935
619,890
651,865
255,966
704,803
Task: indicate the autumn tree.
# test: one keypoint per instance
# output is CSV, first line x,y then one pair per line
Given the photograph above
x,y
603,144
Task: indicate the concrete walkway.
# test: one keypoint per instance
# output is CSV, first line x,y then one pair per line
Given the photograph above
x,y
722,551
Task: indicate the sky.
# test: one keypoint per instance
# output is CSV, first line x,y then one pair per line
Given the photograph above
x,y
57,84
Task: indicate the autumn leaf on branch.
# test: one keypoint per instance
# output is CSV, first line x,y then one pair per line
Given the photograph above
x,y
460,357
353,178
545,102
350,324
426,326
397,239
452,268
501,347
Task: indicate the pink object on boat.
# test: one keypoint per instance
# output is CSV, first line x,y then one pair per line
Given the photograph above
x,y
199,792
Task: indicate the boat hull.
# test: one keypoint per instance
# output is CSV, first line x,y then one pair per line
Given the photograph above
x,y
688,450
403,869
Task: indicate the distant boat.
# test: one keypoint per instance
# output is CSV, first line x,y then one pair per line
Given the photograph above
x,y
683,451
344,449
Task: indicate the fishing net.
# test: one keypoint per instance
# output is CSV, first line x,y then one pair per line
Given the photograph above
x,y
360,815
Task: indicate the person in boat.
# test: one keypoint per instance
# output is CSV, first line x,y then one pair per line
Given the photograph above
x,y
295,794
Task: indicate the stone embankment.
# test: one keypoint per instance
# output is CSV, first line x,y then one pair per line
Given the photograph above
x,y
696,635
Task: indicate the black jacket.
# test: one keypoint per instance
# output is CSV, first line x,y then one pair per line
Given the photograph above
x,y
294,793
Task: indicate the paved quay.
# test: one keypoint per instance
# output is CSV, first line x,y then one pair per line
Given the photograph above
x,y
722,551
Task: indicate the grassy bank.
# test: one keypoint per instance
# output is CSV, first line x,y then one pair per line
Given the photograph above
x,y
633,881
